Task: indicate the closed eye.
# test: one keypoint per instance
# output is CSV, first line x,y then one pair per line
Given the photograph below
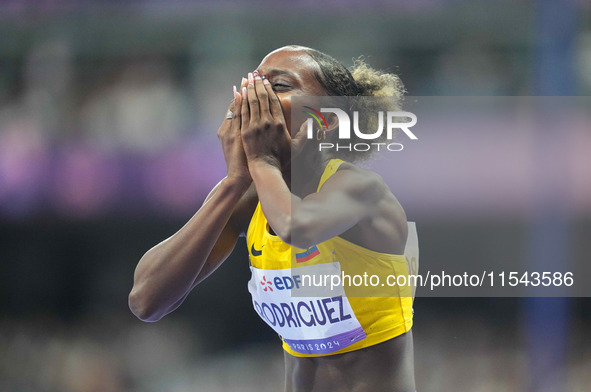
x,y
280,86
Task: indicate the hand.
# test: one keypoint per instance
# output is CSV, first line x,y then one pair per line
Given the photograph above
x,y
264,134
299,141
229,135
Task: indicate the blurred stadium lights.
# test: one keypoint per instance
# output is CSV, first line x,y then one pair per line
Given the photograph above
x,y
121,89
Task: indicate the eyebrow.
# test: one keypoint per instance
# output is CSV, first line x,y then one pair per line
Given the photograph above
x,y
276,71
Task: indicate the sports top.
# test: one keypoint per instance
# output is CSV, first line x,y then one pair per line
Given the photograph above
x,y
293,290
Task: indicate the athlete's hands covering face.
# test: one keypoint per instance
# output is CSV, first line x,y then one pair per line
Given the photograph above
x,y
265,135
229,135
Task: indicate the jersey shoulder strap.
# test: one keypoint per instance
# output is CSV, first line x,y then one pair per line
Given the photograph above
x,y
331,168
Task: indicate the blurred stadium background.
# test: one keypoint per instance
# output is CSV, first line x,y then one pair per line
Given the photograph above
x,y
108,115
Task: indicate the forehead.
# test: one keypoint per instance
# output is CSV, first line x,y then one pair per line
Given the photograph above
x,y
296,62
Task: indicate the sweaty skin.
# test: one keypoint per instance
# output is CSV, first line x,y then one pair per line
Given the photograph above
x,y
354,204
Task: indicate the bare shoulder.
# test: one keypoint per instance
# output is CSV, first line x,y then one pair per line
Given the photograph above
x,y
385,228
357,181
360,183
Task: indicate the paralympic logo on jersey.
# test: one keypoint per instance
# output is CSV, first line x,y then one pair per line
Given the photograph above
x,y
392,123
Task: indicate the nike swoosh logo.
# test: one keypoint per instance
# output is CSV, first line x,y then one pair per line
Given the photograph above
x,y
256,252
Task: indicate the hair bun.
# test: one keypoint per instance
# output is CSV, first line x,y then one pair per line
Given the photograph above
x,y
371,82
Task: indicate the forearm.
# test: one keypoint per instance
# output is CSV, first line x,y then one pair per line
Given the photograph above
x,y
275,197
319,216
167,272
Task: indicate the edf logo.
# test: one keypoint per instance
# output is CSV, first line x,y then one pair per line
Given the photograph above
x,y
287,282
267,285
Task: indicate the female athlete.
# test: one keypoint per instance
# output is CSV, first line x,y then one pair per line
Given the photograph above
x,y
337,218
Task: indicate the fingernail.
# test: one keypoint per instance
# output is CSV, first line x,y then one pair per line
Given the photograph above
x,y
255,73
234,89
243,81
266,81
250,78
244,92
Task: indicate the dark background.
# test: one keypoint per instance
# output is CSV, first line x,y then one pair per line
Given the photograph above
x,y
108,113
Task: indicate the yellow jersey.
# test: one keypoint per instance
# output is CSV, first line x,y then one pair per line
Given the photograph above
x,y
294,290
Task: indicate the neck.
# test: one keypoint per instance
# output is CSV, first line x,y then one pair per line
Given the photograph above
x,y
303,176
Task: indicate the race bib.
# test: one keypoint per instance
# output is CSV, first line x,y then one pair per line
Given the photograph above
x,y
311,324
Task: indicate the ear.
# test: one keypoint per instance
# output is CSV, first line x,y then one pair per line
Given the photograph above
x,y
332,120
